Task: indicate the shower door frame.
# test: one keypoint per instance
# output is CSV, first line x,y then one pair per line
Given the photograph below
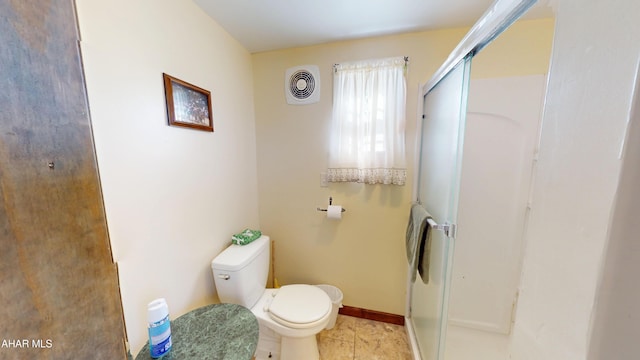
x,y
446,155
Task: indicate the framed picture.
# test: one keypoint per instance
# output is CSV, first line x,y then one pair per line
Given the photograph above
x,y
187,105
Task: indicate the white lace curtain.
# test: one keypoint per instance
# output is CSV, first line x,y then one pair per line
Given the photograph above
x,y
368,122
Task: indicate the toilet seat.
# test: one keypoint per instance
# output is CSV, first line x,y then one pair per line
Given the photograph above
x,y
299,306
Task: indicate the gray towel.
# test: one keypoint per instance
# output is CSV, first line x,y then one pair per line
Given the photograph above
x,y
417,232
424,254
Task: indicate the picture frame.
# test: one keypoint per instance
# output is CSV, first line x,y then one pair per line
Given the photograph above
x,y
188,105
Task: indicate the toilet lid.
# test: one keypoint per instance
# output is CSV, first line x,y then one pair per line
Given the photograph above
x,y
300,304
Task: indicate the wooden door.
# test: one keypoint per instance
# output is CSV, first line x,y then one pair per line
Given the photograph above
x,y
59,295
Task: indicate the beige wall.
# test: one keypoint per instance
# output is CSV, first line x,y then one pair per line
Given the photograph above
x,y
173,196
523,49
363,254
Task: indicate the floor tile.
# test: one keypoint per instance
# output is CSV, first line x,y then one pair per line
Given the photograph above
x,y
344,329
335,349
377,340
361,339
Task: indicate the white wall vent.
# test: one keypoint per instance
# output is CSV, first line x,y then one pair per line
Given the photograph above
x,y
302,85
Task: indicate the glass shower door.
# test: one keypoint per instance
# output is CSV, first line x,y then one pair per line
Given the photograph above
x,y
442,134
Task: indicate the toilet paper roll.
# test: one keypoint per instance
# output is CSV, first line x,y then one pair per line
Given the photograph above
x,y
334,212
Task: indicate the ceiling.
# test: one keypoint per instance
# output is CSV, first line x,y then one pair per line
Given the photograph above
x,y
265,25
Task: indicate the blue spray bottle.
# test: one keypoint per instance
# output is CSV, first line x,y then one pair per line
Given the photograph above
x,y
159,328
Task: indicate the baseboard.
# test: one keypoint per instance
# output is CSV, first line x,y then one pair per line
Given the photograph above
x,y
372,315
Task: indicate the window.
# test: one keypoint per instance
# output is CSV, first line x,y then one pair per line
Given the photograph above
x,y
368,122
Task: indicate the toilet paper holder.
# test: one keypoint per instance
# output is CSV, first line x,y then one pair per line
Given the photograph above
x,y
330,203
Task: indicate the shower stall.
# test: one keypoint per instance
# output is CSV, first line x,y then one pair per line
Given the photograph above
x,y
439,157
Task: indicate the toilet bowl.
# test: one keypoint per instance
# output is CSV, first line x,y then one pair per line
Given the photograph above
x,y
296,325
290,316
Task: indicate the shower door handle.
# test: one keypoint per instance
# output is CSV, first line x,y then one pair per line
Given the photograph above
x,y
449,229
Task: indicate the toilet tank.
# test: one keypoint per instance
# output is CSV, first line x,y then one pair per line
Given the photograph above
x,y
240,272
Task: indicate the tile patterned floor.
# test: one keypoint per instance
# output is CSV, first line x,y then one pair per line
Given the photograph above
x,y
361,339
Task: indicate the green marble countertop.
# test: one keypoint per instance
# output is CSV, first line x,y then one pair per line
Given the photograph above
x,y
212,332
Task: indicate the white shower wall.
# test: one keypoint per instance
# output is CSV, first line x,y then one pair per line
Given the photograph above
x,y
500,140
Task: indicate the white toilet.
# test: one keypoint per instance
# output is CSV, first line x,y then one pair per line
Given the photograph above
x,y
289,317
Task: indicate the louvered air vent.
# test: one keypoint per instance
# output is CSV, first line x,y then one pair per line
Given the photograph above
x,y
302,85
